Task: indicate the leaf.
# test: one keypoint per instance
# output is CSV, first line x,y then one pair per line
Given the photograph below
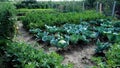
x,y
83,38
101,47
74,38
34,31
98,43
47,38
53,41
62,44
94,35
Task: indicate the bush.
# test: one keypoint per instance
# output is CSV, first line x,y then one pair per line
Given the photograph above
x,y
21,55
39,19
7,13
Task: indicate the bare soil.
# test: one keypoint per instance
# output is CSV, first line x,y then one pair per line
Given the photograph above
x,y
79,55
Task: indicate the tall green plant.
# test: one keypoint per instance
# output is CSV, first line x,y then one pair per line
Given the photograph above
x,y
39,19
7,13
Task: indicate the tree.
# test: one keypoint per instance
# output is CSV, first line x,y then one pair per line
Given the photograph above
x,y
3,0
117,8
89,3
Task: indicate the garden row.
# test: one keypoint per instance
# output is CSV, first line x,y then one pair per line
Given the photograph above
x,y
37,19
23,12
21,55
85,32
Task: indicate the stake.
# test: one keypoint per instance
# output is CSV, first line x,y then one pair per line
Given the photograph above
x,y
83,5
113,11
100,7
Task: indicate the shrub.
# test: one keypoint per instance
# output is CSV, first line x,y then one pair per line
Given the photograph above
x,y
7,13
22,55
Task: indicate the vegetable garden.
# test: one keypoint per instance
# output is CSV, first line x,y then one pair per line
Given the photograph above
x,y
52,28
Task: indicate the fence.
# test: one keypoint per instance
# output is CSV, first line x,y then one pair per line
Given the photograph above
x,y
78,6
74,6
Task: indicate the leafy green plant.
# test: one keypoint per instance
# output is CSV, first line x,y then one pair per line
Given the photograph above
x,y
113,37
84,32
101,47
7,20
23,55
111,59
38,19
62,44
7,13
23,12
113,56
74,38
117,24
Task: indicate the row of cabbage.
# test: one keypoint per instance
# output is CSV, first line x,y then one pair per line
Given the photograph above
x,y
85,32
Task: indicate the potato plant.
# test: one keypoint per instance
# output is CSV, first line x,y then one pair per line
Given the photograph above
x,y
39,19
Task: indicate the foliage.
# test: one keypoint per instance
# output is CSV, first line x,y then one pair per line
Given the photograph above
x,y
111,60
27,4
117,24
101,47
23,12
4,0
85,32
7,13
113,52
21,55
90,3
60,6
39,19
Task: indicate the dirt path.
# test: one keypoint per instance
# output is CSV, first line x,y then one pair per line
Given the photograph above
x,y
79,56
23,36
